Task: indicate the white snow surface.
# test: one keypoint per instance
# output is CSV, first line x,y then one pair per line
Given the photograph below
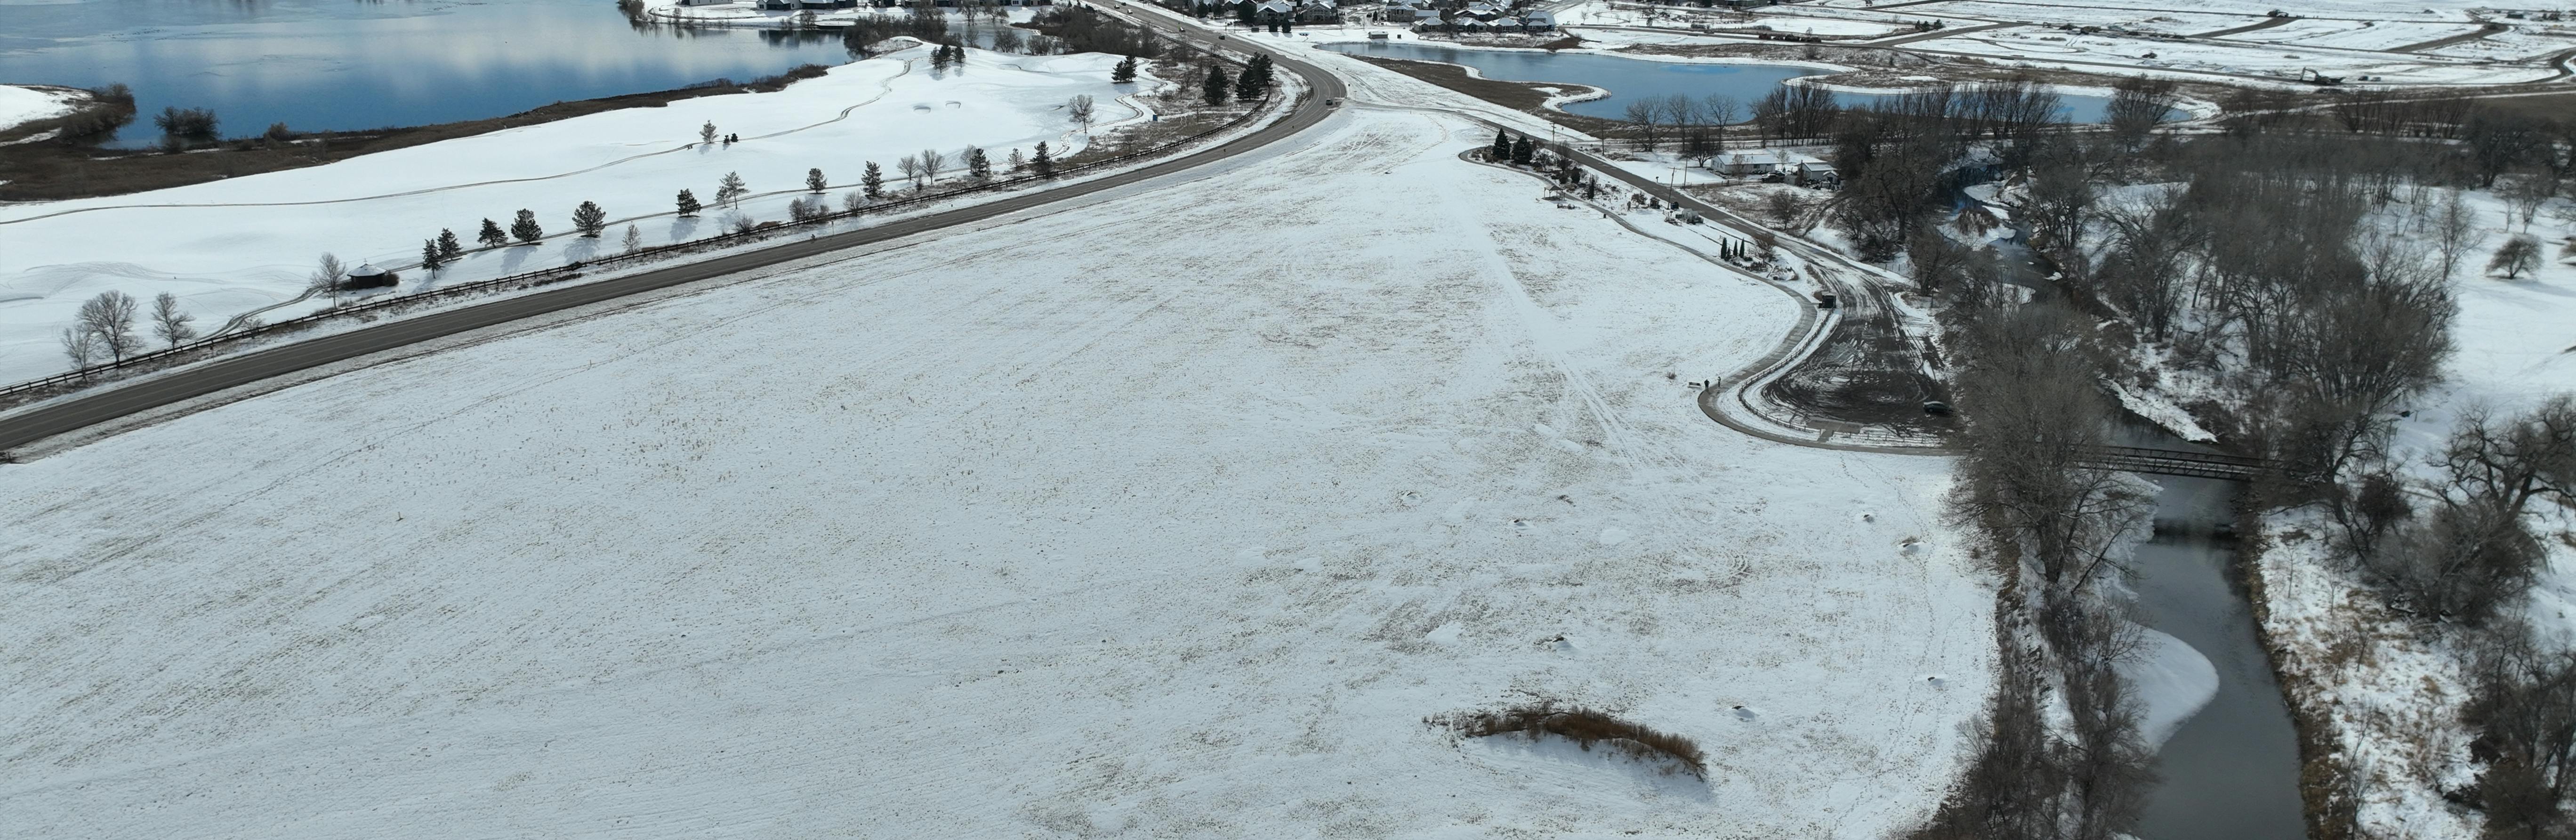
x,y
21,104
1171,513
243,244
2172,682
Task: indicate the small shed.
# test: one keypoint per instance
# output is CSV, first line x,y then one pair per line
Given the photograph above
x,y
368,276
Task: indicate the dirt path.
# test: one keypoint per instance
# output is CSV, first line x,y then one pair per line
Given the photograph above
x,y
2437,43
2266,23
1937,33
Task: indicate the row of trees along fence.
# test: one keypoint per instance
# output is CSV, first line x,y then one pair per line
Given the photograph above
x,y
813,213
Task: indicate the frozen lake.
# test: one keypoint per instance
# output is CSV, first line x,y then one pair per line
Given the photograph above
x,y
335,64
1629,78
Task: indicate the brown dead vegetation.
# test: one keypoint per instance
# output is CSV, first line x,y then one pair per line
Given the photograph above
x,y
1585,727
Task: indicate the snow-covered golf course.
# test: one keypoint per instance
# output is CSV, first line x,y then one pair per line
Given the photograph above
x,y
1168,512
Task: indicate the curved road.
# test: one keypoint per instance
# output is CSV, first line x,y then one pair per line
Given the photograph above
x,y
86,409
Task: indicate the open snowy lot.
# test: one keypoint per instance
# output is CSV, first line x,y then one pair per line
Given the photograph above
x,y
2042,47
1169,514
235,246
2521,43
2075,11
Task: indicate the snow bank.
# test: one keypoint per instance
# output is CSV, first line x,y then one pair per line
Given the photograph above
x,y
2171,681
1170,513
20,104
234,246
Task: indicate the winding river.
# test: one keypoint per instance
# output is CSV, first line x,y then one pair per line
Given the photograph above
x,y
2232,769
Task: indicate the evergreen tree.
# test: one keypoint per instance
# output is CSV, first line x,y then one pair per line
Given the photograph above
x,y
430,258
525,228
1044,162
707,133
1502,150
978,164
688,204
1263,71
1018,161
814,180
872,181
1252,83
492,237
1245,11
1522,152
589,219
1286,27
449,250
1213,89
1124,73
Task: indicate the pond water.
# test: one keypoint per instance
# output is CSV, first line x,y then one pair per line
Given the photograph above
x,y
1629,78
359,64
2232,769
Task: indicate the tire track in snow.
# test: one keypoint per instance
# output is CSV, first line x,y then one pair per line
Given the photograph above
x,y
1540,328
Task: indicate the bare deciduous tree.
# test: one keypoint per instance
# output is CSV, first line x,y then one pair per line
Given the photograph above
x,y
932,160
1079,109
2519,253
169,322
109,318
1781,207
2472,554
80,346
2455,231
328,274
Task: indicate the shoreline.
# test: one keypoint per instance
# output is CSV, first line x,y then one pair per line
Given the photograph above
x,y
40,170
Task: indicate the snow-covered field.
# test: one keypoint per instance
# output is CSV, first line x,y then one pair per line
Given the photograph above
x,y
239,245
1169,514
20,104
2354,34
2044,47
2521,43
2076,10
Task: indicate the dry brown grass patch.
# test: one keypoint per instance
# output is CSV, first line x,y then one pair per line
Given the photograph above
x,y
1585,727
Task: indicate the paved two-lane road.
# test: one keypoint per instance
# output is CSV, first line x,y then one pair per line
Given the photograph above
x,y
90,408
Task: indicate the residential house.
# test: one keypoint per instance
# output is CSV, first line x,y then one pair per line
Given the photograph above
x,y
1755,163
1815,172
